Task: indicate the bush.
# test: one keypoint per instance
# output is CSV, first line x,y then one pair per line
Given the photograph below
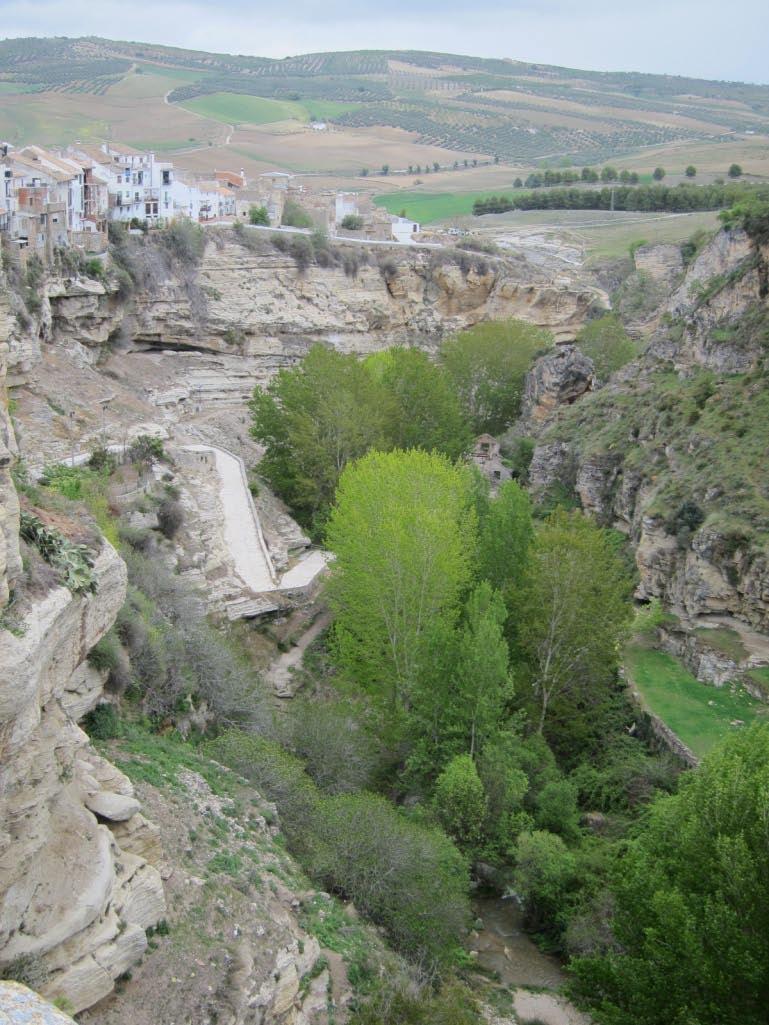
x,y
352,222
735,171
295,216
460,802
170,517
105,654
186,240
102,460
102,722
258,215
607,344
329,736
557,810
301,249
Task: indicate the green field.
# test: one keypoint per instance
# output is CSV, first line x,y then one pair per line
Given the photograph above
x,y
236,108
426,208
700,715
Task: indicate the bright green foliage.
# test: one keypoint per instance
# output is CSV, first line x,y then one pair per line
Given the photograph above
x,y
571,615
692,902
484,683
259,215
422,408
607,344
504,539
545,873
453,1004
557,810
403,532
313,419
488,364
460,802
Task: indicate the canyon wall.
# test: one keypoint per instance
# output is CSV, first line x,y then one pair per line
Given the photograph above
x,y
646,449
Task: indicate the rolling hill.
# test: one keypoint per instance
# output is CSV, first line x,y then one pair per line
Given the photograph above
x,y
427,107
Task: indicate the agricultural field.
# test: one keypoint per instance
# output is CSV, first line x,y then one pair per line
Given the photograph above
x,y
700,715
429,208
399,108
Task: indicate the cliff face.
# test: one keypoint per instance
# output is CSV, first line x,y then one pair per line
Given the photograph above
x,y
672,450
74,899
254,301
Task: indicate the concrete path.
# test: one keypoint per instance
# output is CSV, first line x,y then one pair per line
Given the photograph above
x,y
242,530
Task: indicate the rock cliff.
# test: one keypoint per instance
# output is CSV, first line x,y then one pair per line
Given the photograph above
x,y
74,900
672,450
254,300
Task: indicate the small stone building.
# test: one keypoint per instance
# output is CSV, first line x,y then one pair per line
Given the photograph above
x,y
486,456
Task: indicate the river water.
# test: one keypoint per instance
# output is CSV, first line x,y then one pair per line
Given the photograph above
x,y
503,947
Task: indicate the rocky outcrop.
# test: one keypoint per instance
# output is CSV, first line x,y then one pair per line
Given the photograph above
x,y
72,901
254,301
556,379
20,1004
725,280
10,558
633,466
72,898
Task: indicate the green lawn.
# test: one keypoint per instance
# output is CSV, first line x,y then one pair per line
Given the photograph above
x,y
426,207
235,108
700,715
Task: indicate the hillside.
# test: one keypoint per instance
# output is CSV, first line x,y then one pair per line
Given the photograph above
x,y
387,107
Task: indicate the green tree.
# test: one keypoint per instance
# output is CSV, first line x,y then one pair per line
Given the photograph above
x,y
692,902
423,409
504,539
607,344
691,171
735,171
403,531
609,174
545,874
488,365
313,419
258,215
557,810
658,174
484,684
352,222
572,612
295,215
460,802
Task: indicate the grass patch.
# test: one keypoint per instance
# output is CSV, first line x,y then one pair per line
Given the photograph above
x,y
700,715
761,678
724,640
236,108
326,920
426,207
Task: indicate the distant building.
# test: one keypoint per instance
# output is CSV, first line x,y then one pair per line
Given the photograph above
x,y
486,456
403,229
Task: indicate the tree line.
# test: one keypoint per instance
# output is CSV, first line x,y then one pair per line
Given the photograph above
x,y
678,198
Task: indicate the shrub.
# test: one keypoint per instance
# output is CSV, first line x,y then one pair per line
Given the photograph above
x,y
352,222
73,562
557,810
607,344
170,517
735,171
102,722
301,250
186,240
258,215
295,216
460,802
102,460
105,654
329,736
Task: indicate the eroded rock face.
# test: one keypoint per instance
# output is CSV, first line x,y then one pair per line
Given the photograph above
x,y
708,572
259,304
71,897
10,559
556,379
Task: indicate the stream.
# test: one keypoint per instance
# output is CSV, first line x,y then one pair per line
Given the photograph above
x,y
504,948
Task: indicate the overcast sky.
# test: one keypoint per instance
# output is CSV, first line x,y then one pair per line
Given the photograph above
x,y
705,38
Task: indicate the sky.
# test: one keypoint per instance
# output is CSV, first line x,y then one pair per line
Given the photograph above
x,y
702,38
